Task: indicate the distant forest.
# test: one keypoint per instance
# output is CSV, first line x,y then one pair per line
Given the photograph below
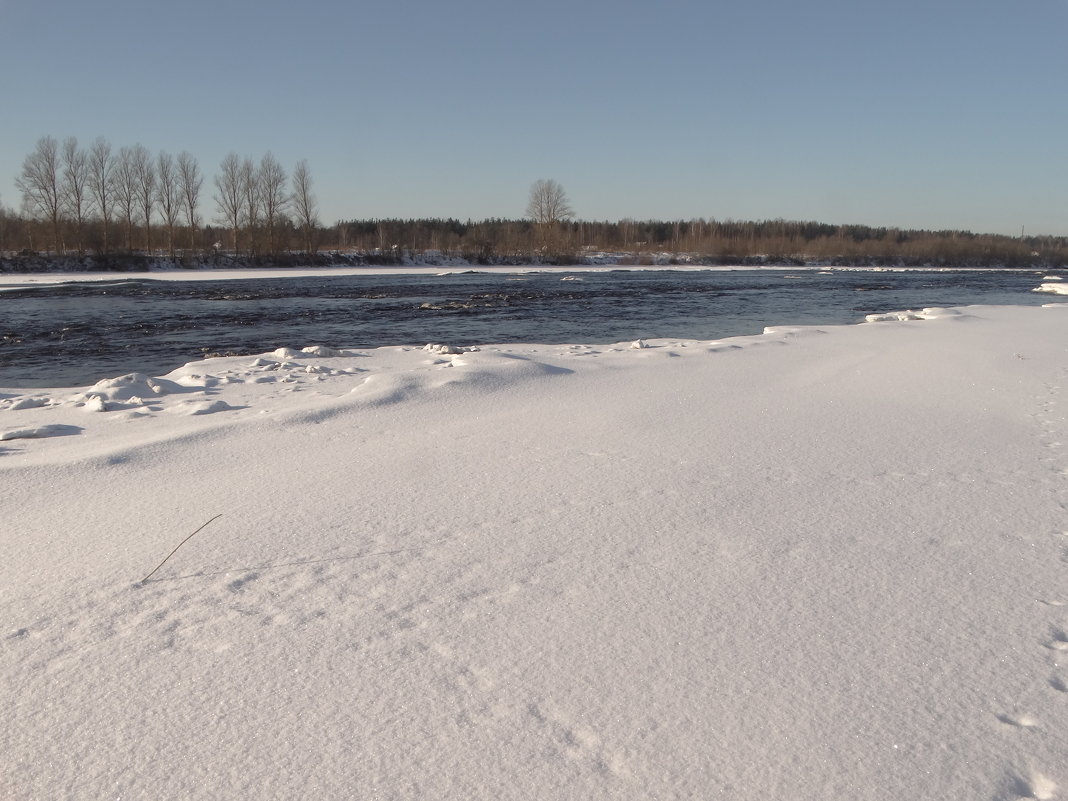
x,y
25,245
88,208
711,242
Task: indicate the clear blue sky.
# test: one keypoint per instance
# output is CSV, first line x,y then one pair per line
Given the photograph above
x,y
917,113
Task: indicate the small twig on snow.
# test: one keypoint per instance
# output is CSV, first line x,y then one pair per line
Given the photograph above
x,y
180,544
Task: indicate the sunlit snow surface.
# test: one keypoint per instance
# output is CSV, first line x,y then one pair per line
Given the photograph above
x,y
817,563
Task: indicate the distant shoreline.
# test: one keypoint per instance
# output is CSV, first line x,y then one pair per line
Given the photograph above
x,y
63,272
50,278
414,260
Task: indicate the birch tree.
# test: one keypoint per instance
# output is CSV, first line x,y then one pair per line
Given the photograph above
x,y
39,184
145,189
124,190
304,205
75,188
168,195
272,191
3,229
189,182
250,200
230,194
101,167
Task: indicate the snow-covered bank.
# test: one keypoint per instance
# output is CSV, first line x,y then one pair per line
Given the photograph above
x,y
14,280
22,280
816,563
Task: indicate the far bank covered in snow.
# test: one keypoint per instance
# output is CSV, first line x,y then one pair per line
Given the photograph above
x,y
818,562
412,259
169,271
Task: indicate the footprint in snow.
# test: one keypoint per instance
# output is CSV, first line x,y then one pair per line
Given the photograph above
x,y
1032,784
1020,719
1058,641
238,583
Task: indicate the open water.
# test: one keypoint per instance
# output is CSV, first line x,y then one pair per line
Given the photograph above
x,y
78,333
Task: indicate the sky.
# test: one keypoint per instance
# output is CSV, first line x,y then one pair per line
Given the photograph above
x,y
936,114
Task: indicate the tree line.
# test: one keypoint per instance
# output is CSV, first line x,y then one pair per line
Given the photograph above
x,y
697,241
101,200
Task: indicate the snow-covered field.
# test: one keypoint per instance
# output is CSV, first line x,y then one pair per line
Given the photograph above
x,y
818,563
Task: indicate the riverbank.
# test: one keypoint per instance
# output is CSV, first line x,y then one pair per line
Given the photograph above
x,y
819,562
166,272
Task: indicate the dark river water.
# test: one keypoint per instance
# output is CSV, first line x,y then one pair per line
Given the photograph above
x,y
77,333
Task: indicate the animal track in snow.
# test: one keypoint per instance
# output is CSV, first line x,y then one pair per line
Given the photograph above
x,y
1022,720
238,583
205,612
1058,640
1032,784
578,741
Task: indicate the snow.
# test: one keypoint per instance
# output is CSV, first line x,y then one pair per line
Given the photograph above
x,y
22,281
10,281
815,563
1054,288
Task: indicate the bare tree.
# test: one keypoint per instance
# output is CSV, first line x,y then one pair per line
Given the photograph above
x,y
272,190
39,185
189,183
3,229
124,190
145,186
169,196
230,197
75,187
548,203
251,200
304,205
101,167
548,206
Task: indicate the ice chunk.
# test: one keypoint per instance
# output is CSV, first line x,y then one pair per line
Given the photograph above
x,y
323,351
285,353
891,316
130,386
1056,289
437,348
